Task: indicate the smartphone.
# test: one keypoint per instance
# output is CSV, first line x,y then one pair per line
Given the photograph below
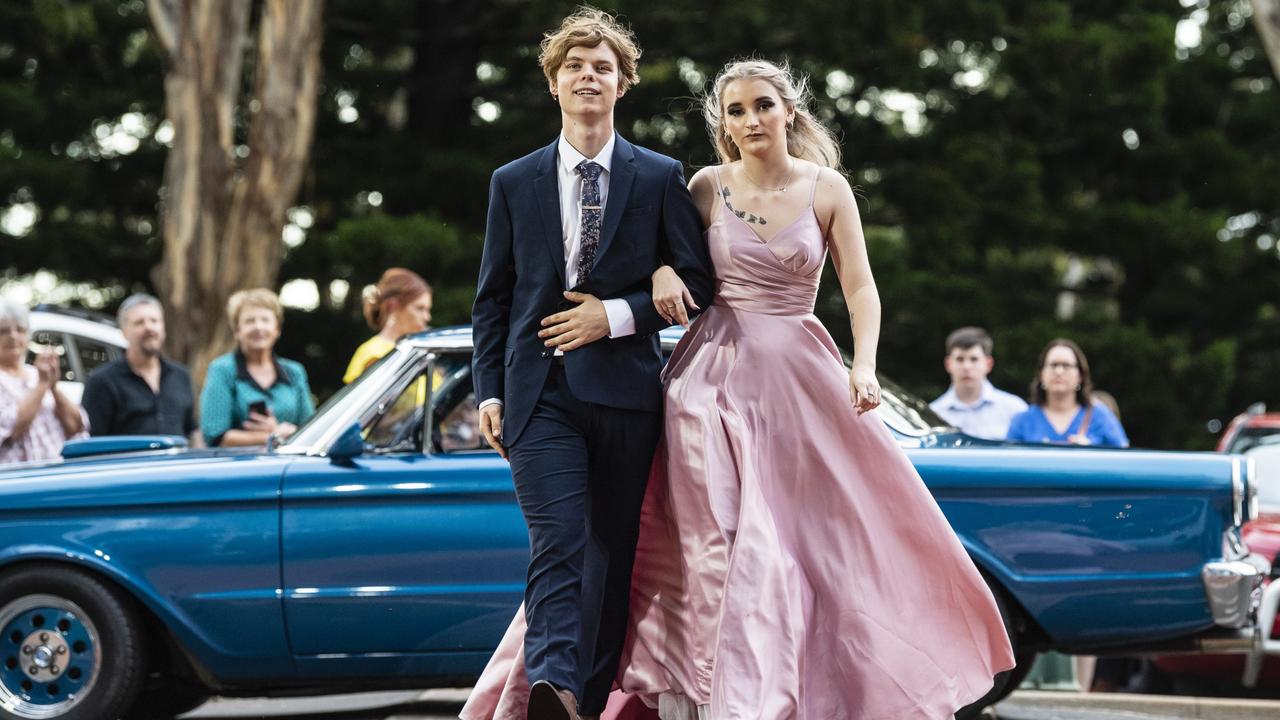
x,y
260,407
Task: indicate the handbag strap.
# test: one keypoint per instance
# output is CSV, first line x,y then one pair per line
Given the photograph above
x,y
1084,424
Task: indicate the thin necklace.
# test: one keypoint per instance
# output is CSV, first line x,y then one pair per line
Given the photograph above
x,y
785,185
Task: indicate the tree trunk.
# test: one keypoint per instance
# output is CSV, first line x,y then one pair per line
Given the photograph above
x,y
1266,15
222,211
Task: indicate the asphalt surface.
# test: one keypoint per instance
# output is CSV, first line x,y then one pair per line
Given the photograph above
x,y
1024,705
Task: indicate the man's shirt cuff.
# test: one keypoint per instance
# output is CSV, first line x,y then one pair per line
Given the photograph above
x,y
490,401
622,322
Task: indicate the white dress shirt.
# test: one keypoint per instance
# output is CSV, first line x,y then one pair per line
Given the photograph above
x,y
988,417
622,321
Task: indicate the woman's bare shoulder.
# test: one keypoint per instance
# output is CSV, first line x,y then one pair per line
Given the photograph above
x,y
704,182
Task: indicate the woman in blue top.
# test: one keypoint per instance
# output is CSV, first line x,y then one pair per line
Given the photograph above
x,y
251,394
1062,410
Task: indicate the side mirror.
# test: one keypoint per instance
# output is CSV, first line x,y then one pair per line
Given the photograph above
x,y
349,445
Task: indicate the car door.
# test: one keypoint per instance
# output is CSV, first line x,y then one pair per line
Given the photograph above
x,y
416,546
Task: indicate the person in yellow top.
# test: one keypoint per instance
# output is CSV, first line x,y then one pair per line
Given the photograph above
x,y
399,305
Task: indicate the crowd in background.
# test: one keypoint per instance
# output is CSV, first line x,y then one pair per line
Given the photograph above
x,y
250,395
1064,407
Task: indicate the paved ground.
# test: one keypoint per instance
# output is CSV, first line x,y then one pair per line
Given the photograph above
x,y
1025,705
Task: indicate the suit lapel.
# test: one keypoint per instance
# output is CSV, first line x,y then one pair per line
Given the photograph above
x,y
622,175
546,188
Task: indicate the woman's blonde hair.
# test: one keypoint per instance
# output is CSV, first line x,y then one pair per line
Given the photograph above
x,y
588,27
807,138
254,298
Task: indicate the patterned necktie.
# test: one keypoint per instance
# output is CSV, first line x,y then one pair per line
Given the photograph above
x,y
591,214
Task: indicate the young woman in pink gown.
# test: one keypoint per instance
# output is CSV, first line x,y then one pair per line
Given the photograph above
x,y
792,565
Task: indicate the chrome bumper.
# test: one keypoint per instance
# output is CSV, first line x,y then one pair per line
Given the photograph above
x,y
1234,589
1264,645
1238,600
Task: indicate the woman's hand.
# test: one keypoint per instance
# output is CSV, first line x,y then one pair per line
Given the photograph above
x,y
671,298
257,422
49,369
864,388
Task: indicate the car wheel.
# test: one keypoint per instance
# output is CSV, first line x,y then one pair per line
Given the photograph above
x,y
70,647
1009,680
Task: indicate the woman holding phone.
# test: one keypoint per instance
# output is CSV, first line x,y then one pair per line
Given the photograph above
x,y
252,394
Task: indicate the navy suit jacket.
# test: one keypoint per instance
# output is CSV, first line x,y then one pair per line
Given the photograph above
x,y
649,219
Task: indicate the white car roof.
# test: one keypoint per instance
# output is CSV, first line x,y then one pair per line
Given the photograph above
x,y
73,325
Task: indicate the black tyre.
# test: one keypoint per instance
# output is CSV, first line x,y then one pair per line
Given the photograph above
x,y
70,647
1009,680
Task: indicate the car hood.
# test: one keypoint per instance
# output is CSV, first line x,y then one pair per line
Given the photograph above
x,y
144,478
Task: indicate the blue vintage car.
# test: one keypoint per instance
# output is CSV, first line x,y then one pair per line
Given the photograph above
x,y
381,546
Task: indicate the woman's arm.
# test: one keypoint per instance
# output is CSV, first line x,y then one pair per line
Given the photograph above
x,y
70,416
217,399
26,410
849,253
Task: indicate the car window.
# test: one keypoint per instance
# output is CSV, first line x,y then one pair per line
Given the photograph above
x,y
396,428
454,418
93,353
41,340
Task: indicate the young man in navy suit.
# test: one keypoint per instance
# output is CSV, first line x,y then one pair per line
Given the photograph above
x,y
567,358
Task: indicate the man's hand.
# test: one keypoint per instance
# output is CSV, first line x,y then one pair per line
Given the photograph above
x,y
491,427
571,329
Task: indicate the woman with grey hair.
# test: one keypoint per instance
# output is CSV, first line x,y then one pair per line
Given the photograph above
x,y
35,418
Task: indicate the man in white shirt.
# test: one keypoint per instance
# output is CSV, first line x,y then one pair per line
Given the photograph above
x,y
972,403
567,359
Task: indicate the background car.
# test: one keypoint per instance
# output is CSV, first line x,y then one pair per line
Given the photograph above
x,y
1251,427
1221,675
83,339
381,546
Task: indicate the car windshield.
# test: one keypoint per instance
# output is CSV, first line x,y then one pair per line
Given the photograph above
x,y
307,435
903,412
907,413
1251,437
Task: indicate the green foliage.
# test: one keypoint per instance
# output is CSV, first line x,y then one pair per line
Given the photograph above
x,y
1051,155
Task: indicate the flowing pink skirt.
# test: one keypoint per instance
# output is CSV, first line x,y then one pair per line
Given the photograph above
x,y
792,564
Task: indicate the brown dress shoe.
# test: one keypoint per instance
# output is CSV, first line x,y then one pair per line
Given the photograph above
x,y
548,703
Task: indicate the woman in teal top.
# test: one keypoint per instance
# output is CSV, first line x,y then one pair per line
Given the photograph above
x,y
251,394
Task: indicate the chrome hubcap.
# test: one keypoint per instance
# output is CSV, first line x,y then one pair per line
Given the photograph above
x,y
50,653
45,649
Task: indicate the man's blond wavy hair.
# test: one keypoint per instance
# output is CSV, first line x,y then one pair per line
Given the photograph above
x,y
588,27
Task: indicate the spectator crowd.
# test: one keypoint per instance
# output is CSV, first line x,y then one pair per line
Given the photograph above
x,y
250,395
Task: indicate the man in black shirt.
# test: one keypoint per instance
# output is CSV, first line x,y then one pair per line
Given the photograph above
x,y
143,393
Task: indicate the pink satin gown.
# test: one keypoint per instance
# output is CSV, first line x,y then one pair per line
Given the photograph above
x,y
792,565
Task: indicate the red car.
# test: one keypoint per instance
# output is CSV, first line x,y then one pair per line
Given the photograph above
x,y
1249,429
1255,434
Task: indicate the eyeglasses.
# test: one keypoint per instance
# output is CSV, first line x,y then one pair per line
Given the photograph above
x,y
1061,366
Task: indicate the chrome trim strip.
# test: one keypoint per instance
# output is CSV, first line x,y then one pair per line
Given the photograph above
x,y
1237,492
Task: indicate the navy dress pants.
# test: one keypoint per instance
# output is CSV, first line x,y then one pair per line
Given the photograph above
x,y
580,474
